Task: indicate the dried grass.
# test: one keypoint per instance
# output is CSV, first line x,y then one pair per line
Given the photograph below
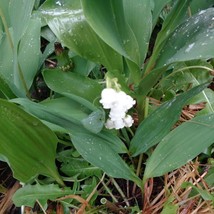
x,y
174,193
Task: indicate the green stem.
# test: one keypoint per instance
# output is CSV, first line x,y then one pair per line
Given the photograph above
x,y
146,111
125,135
140,108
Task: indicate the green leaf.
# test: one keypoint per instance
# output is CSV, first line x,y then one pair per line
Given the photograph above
x,y
73,83
68,114
191,40
67,21
158,123
29,52
174,18
138,15
26,144
82,66
116,33
29,194
101,150
170,208
209,178
4,6
149,81
123,21
89,187
204,193
198,5
20,13
6,62
76,167
181,145
99,153
5,89
95,121
21,60
62,111
158,6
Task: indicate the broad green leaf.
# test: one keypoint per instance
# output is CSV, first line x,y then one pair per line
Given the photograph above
x,y
6,62
29,194
91,146
174,18
74,83
95,121
29,51
123,21
82,66
191,40
100,154
68,115
21,60
67,21
198,5
116,33
26,144
76,167
20,13
158,123
181,145
61,111
4,13
138,15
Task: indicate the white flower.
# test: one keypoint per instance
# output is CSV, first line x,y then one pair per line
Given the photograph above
x,y
125,100
110,124
108,97
128,120
118,103
117,112
119,124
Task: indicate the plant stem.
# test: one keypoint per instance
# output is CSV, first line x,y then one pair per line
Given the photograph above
x,y
125,135
189,12
109,192
43,210
146,110
120,191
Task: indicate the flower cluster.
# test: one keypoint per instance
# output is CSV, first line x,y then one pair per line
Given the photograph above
x,y
119,103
